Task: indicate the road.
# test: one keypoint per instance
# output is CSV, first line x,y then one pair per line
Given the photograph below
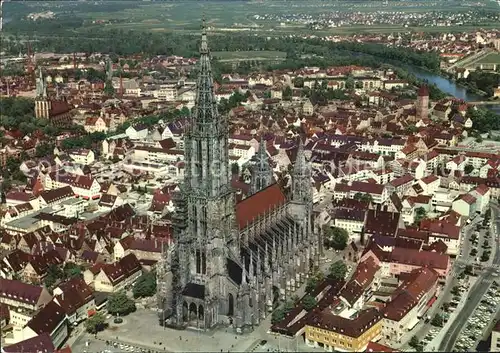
x,y
477,291
423,328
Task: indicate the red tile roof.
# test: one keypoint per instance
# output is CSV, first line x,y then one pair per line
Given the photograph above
x,y
47,319
39,344
420,258
377,347
22,292
258,204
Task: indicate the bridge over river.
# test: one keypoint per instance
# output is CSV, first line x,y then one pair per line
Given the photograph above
x,y
497,102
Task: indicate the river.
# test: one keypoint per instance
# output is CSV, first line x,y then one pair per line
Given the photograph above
x,y
450,87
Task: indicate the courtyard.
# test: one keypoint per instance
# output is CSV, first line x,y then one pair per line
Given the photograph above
x,y
140,331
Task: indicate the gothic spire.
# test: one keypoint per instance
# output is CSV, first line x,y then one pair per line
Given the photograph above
x,y
206,137
41,89
204,43
206,104
262,173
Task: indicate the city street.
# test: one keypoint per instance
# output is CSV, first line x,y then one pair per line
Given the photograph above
x,y
478,290
423,328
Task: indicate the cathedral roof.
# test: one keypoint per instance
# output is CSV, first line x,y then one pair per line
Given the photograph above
x,y
258,204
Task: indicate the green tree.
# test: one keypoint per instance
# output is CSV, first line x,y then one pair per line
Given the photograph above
x,y
456,290
289,305
72,270
119,303
54,273
109,90
277,315
437,321
298,82
145,286
309,302
468,168
96,323
338,270
411,129
44,149
363,197
349,82
314,280
287,93
420,214
336,238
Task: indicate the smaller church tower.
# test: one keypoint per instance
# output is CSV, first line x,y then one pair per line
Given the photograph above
x,y
301,178
422,104
108,85
262,173
42,103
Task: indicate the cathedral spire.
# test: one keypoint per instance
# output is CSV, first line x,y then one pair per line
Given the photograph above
x,y
204,44
206,138
262,173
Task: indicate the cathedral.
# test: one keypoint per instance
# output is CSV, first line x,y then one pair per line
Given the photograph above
x,y
231,263
56,109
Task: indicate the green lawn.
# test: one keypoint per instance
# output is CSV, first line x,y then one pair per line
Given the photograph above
x,y
264,54
492,58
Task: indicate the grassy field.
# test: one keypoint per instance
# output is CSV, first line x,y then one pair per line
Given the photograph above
x,y
241,15
492,58
234,56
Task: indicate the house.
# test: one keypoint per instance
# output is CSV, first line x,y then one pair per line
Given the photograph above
x,y
408,303
404,260
445,231
17,294
441,111
76,298
336,333
307,108
400,185
350,220
119,275
82,156
377,347
465,205
429,184
377,192
458,162
97,124
482,194
495,334
137,132
55,195
52,320
379,222
38,344
109,201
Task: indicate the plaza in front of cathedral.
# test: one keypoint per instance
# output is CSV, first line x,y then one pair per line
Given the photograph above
x,y
138,332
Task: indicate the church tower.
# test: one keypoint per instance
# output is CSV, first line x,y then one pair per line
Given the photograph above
x,y
422,103
262,173
301,178
206,235
42,103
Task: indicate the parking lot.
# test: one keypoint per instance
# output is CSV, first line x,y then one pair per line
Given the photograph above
x,y
478,322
